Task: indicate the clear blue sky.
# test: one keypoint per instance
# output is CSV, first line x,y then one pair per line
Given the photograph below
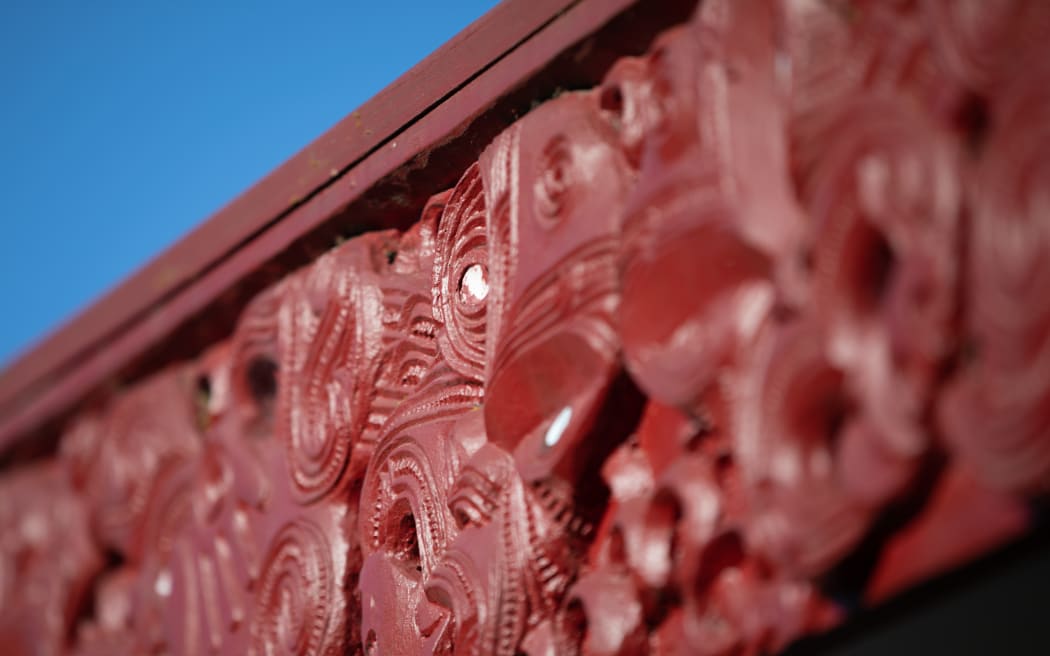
x,y
125,123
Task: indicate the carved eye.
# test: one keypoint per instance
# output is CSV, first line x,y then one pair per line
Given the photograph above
x,y
554,179
473,285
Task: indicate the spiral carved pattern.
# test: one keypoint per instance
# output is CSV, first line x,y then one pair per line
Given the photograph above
x,y
296,600
461,277
326,365
318,440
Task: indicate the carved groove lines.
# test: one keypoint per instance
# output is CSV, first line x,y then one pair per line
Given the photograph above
x,y
459,307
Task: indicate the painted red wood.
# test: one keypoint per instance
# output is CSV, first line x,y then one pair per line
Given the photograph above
x,y
703,358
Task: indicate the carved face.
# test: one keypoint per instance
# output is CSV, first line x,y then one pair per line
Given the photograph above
x,y
885,202
200,543
544,294
554,186
436,353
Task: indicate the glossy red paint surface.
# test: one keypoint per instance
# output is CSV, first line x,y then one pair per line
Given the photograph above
x,y
699,360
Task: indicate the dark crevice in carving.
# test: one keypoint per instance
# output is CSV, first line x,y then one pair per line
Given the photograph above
x,y
261,375
726,551
873,268
616,422
202,402
974,122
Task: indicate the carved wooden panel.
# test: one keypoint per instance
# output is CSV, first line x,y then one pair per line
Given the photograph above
x,y
670,356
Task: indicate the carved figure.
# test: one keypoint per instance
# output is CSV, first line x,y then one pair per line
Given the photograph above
x,y
692,362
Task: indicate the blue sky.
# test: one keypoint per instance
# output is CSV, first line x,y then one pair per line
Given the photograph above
x,y
125,123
